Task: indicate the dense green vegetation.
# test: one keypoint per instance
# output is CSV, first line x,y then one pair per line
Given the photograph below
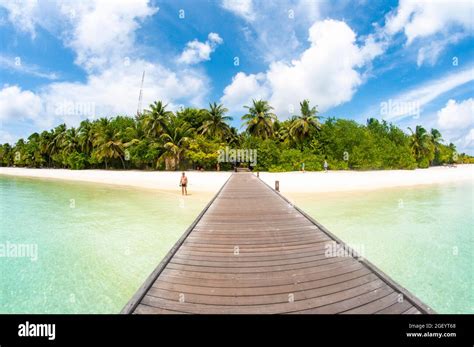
x,y
191,138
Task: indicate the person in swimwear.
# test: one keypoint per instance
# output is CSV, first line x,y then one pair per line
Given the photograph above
x,y
183,183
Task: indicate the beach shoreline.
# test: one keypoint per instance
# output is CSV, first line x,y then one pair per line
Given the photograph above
x,y
290,182
199,182
354,181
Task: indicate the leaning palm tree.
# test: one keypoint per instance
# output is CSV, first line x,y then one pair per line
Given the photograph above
x,y
155,118
176,136
259,119
215,123
305,123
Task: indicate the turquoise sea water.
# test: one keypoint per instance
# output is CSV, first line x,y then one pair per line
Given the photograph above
x,y
422,237
95,244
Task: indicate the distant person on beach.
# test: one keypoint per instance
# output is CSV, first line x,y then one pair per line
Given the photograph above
x,y
325,166
302,167
183,183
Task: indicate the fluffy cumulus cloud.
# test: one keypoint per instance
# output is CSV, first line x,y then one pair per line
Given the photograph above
x,y
442,22
102,36
113,91
418,19
18,104
321,73
457,115
103,31
196,51
243,88
456,121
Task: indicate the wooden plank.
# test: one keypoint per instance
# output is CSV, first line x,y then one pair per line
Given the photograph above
x,y
251,281
214,289
396,308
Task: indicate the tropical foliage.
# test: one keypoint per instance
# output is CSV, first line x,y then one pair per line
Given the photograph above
x,y
160,139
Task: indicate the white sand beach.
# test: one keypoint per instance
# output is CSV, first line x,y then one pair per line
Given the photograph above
x,y
338,181
290,182
161,180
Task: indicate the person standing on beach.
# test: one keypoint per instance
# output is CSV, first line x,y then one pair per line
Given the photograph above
x,y
183,184
325,166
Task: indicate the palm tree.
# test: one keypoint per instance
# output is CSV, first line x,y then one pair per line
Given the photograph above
x,y
107,143
232,137
305,123
420,142
155,118
259,119
215,124
33,156
436,140
86,134
70,141
44,141
176,136
283,130
57,140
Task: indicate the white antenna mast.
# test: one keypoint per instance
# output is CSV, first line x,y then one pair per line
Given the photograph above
x,y
140,96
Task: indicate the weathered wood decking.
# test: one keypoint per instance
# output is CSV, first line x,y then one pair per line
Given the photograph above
x,y
251,251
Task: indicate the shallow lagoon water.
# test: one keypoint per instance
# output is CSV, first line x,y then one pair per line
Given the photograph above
x,y
95,244
422,237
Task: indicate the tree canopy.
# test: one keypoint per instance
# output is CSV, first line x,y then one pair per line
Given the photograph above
x,y
160,139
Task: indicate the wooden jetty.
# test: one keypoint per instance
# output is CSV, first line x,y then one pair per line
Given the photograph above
x,y
252,251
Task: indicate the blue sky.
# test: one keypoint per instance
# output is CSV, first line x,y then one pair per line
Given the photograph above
x,y
404,61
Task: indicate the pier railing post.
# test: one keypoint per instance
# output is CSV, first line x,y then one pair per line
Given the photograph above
x,y
277,186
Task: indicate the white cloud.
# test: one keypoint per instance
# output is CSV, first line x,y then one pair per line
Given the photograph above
x,y
242,8
423,94
102,34
436,24
321,74
418,19
457,115
243,89
196,51
468,140
18,104
98,31
272,27
15,63
103,31
6,137
456,122
113,91
23,14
